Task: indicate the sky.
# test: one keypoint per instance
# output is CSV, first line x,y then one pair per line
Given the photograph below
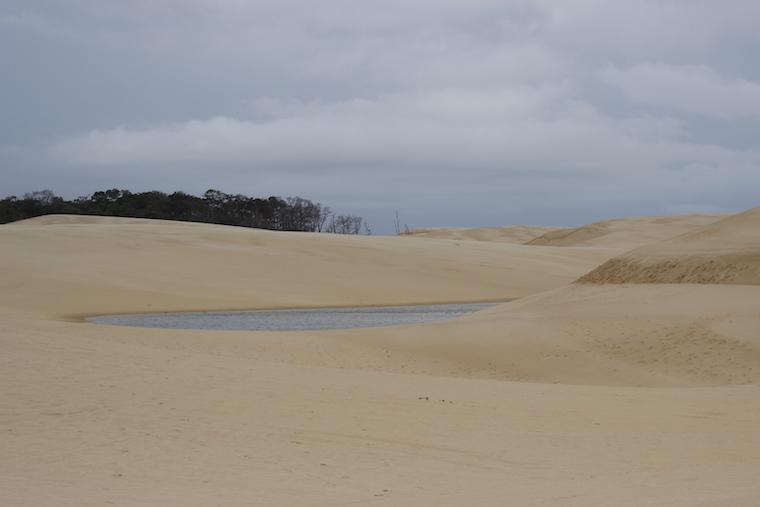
x,y
453,112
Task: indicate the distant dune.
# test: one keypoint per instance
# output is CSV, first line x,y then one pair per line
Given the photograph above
x,y
725,252
625,233
509,234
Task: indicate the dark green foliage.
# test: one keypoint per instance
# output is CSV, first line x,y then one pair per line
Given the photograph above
x,y
275,213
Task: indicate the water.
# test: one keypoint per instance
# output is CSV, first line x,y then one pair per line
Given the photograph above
x,y
294,320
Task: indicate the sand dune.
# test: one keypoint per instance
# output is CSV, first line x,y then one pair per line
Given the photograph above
x,y
518,234
625,233
577,395
727,251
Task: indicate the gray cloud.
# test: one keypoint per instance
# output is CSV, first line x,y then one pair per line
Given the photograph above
x,y
692,89
462,113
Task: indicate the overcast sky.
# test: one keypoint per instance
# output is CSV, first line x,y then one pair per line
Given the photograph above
x,y
454,112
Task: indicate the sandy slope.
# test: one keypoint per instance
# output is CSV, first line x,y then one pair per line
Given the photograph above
x,y
518,234
626,233
727,251
629,394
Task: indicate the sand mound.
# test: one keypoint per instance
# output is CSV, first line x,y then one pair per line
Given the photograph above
x,y
727,251
625,233
511,234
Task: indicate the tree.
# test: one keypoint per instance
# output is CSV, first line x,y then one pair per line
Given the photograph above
x,y
291,214
9,211
43,197
321,216
345,224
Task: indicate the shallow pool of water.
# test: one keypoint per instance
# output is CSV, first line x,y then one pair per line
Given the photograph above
x,y
294,320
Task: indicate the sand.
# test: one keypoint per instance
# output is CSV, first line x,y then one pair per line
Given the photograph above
x,y
576,394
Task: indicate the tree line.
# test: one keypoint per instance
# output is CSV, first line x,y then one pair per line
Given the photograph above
x,y
273,213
